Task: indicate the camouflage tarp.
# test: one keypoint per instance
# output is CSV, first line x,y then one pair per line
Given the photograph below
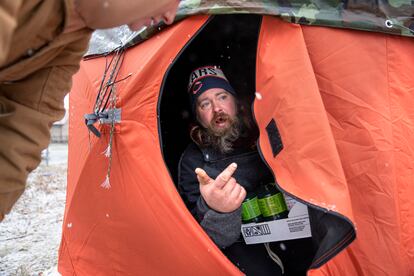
x,y
392,16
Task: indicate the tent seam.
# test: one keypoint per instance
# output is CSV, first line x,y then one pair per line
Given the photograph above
x,y
67,250
395,182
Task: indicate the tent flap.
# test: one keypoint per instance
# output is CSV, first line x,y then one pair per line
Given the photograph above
x,y
139,225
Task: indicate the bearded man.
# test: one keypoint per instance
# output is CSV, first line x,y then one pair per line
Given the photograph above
x,y
220,166
223,140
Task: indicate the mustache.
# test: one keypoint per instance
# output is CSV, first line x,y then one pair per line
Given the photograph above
x,y
220,116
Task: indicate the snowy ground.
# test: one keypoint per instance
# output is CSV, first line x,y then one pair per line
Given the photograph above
x,y
30,234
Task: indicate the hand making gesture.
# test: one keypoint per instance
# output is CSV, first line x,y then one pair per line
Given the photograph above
x,y
222,194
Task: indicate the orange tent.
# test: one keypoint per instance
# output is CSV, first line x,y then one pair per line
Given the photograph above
x,y
342,102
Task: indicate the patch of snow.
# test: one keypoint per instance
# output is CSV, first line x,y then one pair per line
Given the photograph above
x,y
30,235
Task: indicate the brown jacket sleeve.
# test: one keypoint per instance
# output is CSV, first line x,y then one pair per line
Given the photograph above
x,y
34,78
8,23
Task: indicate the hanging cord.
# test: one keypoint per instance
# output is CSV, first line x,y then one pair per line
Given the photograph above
x,y
102,104
106,89
108,152
104,108
274,257
110,84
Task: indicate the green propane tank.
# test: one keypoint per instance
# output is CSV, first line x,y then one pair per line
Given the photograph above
x,y
250,209
272,204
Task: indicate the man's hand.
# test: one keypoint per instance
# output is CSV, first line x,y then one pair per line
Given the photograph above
x,y
222,194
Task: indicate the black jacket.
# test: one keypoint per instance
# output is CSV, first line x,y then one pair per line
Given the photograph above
x,y
224,228
251,171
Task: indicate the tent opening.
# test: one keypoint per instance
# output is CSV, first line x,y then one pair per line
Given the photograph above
x,y
228,41
231,42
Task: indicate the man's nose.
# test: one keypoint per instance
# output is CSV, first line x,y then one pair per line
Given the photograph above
x,y
168,17
217,107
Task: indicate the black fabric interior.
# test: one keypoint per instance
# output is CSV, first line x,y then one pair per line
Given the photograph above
x,y
228,41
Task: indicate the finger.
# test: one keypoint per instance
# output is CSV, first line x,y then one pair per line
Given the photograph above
x,y
242,195
225,175
229,186
236,191
203,177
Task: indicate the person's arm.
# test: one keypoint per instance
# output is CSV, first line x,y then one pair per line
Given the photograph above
x,y
8,23
188,186
101,14
222,228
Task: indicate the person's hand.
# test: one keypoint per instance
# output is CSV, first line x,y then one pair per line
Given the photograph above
x,y
222,194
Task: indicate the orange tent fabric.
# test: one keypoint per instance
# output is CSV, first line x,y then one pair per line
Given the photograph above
x,y
139,226
309,165
367,86
343,104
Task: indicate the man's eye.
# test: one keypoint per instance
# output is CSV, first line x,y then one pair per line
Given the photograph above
x,y
204,105
222,97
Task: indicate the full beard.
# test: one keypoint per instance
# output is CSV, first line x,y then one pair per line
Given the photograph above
x,y
240,132
223,138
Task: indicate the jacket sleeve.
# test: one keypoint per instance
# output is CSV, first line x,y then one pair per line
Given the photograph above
x,y
222,228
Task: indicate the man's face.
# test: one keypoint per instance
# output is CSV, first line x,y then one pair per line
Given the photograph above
x,y
216,110
164,10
